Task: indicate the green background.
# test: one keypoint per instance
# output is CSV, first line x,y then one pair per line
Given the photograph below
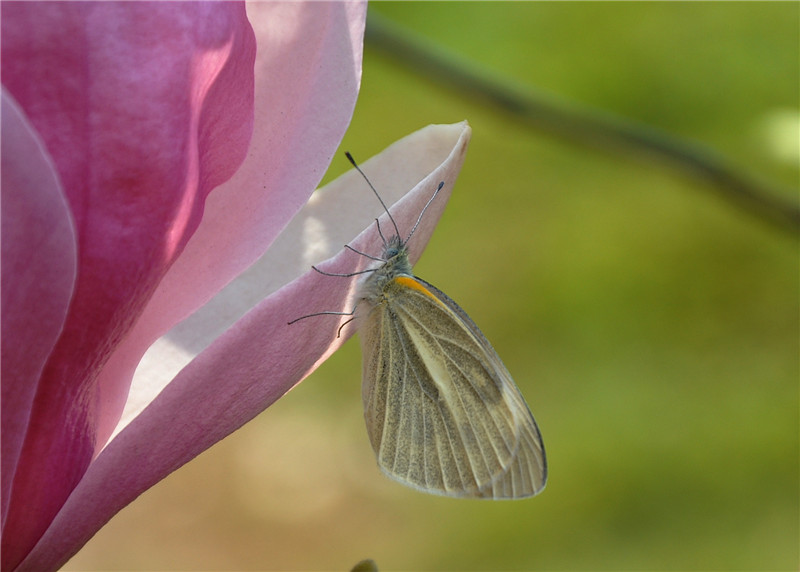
x,y
652,327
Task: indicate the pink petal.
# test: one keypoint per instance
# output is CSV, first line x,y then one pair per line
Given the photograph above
x,y
302,118
38,242
262,357
145,108
308,71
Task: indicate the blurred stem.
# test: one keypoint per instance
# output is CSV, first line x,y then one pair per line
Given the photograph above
x,y
588,127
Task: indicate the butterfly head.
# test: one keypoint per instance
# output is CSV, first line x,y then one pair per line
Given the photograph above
x,y
393,248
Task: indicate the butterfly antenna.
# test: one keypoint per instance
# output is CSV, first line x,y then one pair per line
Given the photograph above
x,y
419,218
353,162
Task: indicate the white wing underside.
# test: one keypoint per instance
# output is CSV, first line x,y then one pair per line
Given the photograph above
x,y
443,414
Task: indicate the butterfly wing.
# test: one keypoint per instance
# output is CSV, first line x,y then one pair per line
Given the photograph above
x,y
442,412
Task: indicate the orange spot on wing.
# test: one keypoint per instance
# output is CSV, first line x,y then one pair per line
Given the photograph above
x,y
409,282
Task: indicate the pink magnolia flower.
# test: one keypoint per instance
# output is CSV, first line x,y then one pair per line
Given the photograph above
x,y
151,152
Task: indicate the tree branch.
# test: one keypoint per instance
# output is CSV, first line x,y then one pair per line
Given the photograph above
x,y
588,127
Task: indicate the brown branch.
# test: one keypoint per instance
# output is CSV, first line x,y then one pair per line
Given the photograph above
x,y
588,127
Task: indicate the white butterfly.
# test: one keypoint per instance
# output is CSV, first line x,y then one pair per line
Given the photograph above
x,y
442,412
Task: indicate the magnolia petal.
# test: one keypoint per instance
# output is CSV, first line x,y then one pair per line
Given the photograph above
x,y
144,108
39,252
293,108
308,72
261,357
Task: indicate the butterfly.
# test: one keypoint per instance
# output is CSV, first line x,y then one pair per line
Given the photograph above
x,y
442,412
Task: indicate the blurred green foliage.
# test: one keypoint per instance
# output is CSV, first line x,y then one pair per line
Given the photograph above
x,y
652,327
